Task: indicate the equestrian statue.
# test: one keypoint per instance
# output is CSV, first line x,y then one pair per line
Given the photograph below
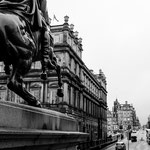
x,y
25,37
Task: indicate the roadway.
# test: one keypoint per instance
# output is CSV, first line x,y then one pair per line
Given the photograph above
x,y
141,143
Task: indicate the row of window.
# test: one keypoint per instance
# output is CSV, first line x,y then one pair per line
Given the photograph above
x,y
86,79
79,101
76,101
60,37
7,95
125,113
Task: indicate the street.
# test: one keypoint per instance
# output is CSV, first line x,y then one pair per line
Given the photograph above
x,y
141,143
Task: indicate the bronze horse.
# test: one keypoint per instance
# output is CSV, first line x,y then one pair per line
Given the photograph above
x,y
19,47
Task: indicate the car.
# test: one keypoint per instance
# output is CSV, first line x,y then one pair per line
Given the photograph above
x,y
133,138
120,145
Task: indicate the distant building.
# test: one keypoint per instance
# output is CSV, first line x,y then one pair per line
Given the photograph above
x,y
125,115
109,122
115,123
112,125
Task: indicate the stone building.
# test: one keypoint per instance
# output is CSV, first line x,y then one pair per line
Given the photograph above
x,y
112,125
109,122
125,114
85,93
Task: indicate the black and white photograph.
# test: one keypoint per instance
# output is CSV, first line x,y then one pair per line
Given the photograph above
x,y
74,75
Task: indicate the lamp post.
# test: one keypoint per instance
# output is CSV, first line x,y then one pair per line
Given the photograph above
x,y
128,139
129,127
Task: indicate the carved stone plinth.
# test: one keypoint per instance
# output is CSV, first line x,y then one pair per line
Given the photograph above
x,y
25,127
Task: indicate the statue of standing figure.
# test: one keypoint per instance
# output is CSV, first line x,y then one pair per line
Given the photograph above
x,y
25,38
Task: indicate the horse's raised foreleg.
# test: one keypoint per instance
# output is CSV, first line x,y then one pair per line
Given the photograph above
x,y
50,65
59,90
15,85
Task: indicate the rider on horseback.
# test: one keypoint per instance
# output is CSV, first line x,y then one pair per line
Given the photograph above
x,y
24,27
35,15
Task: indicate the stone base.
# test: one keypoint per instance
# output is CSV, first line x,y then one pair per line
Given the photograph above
x,y
38,139
25,127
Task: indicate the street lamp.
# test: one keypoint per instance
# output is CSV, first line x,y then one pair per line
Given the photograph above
x,y
129,135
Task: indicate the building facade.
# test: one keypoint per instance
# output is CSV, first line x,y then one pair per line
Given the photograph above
x,y
109,122
85,93
112,124
125,115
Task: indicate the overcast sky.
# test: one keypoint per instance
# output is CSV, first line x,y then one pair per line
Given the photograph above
x,y
116,39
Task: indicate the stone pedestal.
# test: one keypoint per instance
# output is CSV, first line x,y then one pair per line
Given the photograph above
x,y
25,127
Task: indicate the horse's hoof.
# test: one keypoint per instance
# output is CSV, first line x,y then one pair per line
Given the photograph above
x,y
60,93
35,104
44,76
38,104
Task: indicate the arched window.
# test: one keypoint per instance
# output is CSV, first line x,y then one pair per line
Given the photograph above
x,y
3,93
52,97
35,90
